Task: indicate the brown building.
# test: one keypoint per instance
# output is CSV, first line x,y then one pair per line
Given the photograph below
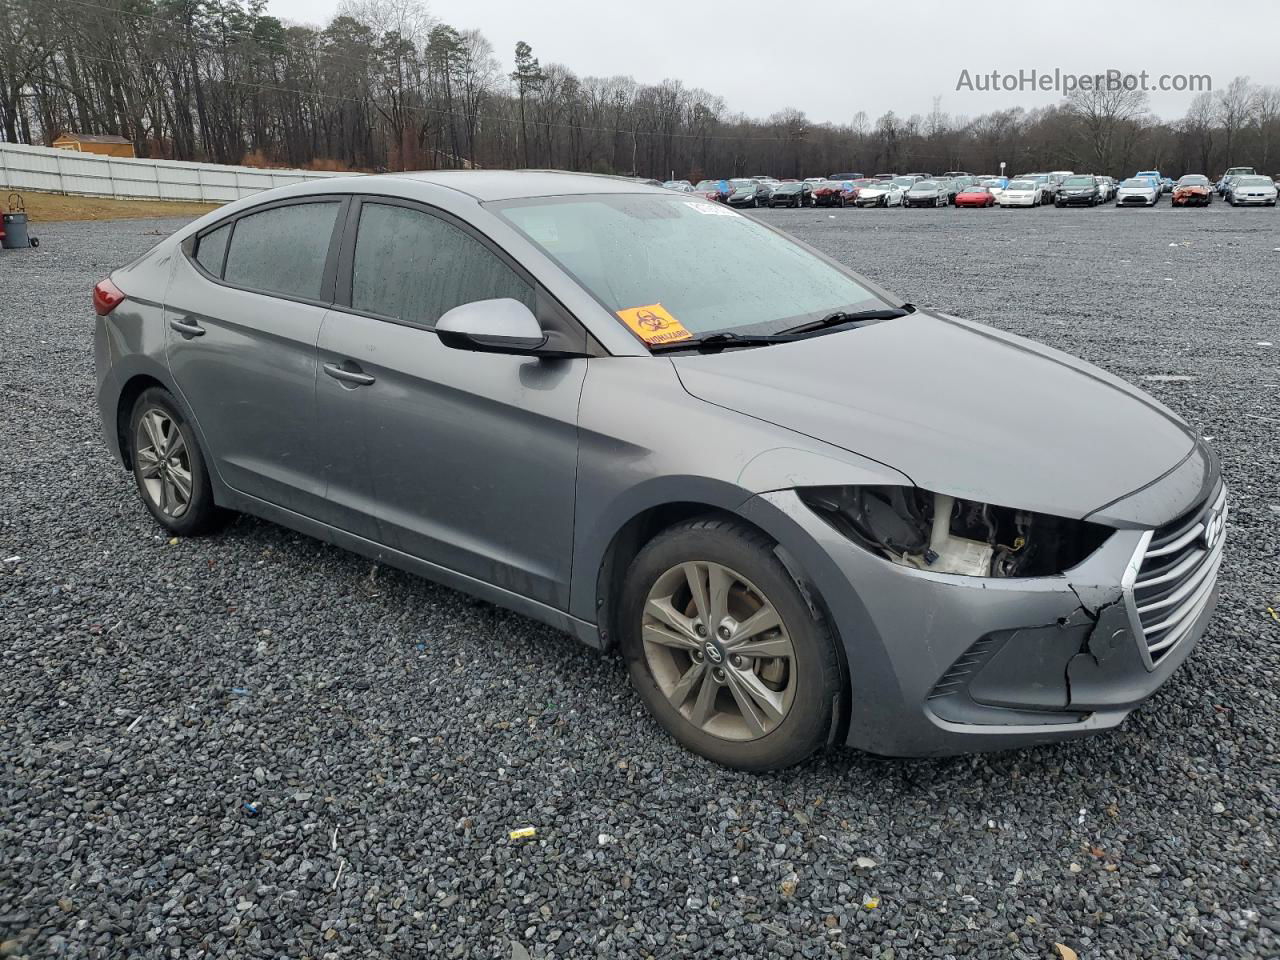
x,y
95,143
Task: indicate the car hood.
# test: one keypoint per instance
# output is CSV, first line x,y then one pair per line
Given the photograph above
x,y
959,408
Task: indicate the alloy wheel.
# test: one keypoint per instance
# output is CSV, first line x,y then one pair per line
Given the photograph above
x,y
164,462
719,651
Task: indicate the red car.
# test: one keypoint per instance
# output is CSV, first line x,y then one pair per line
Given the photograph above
x,y
975,196
830,193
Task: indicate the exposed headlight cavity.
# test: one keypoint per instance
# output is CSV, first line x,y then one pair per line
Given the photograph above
x,y
933,531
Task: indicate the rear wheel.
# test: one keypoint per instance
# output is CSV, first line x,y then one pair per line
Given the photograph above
x,y
724,649
169,467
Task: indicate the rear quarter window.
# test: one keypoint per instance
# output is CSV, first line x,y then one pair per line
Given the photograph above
x,y
211,248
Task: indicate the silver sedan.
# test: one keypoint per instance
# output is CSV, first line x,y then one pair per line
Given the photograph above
x,y
791,512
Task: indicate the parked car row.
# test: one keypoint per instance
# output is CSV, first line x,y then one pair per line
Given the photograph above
x,y
1063,188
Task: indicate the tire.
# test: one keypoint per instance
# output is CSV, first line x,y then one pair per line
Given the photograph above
x,y
161,486
814,681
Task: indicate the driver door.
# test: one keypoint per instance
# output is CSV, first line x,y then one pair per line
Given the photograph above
x,y
467,460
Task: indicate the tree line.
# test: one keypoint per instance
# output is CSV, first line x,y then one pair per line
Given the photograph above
x,y
385,86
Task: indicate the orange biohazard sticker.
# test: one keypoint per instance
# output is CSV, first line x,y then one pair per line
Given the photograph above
x,y
654,325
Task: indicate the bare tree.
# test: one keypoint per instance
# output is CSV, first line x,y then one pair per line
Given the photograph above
x,y
1104,112
1234,107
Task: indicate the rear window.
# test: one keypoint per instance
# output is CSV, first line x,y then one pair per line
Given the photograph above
x,y
282,250
212,246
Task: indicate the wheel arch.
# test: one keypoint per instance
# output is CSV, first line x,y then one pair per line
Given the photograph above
x,y
627,542
133,388
134,382
642,528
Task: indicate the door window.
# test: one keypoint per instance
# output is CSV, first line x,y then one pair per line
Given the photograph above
x,y
412,266
282,250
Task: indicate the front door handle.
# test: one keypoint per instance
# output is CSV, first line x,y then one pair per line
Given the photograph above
x,y
354,377
187,327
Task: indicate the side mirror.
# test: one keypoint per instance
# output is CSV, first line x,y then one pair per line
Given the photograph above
x,y
491,326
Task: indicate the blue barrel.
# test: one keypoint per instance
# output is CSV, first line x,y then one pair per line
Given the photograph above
x,y
15,231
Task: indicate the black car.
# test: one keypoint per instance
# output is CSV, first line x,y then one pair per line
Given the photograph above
x,y
791,195
749,193
1078,191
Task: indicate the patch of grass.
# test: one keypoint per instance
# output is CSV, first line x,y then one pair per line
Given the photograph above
x,y
45,207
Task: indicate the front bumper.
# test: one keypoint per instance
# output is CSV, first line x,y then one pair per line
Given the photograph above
x,y
1078,200
942,664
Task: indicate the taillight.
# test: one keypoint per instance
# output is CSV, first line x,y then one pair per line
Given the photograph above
x,y
106,297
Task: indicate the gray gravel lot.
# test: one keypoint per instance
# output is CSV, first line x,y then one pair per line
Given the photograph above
x,y
392,732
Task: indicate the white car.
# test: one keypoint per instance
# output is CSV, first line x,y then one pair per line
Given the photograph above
x,y
1021,193
1246,190
1137,192
886,194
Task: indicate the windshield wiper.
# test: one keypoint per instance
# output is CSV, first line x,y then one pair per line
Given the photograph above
x,y
718,341
843,316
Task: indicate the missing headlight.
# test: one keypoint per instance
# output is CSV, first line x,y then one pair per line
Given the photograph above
x,y
933,531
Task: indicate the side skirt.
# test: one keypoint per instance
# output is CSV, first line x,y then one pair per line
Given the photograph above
x,y
587,633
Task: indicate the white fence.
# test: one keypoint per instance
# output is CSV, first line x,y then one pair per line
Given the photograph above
x,y
65,171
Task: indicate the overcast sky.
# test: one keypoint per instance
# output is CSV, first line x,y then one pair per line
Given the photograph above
x,y
755,54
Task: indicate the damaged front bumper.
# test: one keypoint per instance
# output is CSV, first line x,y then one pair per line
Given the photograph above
x,y
941,664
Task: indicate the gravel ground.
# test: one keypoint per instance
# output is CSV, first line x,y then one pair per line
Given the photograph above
x,y
390,733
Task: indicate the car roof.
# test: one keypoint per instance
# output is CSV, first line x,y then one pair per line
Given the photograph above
x,y
486,185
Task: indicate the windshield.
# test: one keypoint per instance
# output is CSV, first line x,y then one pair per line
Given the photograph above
x,y
1254,182
977,189
707,185
926,185
741,184
697,266
903,181
1194,179
1078,182
1022,185
1135,182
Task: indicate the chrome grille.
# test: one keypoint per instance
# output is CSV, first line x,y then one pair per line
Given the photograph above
x,y
1178,571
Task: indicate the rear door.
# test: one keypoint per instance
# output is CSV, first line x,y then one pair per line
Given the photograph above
x,y
466,460
244,311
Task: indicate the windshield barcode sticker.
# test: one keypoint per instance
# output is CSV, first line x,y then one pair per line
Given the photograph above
x,y
710,209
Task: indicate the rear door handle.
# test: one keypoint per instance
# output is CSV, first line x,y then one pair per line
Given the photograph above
x,y
187,327
354,377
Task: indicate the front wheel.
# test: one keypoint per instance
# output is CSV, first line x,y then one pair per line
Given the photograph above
x,y
724,649
169,467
